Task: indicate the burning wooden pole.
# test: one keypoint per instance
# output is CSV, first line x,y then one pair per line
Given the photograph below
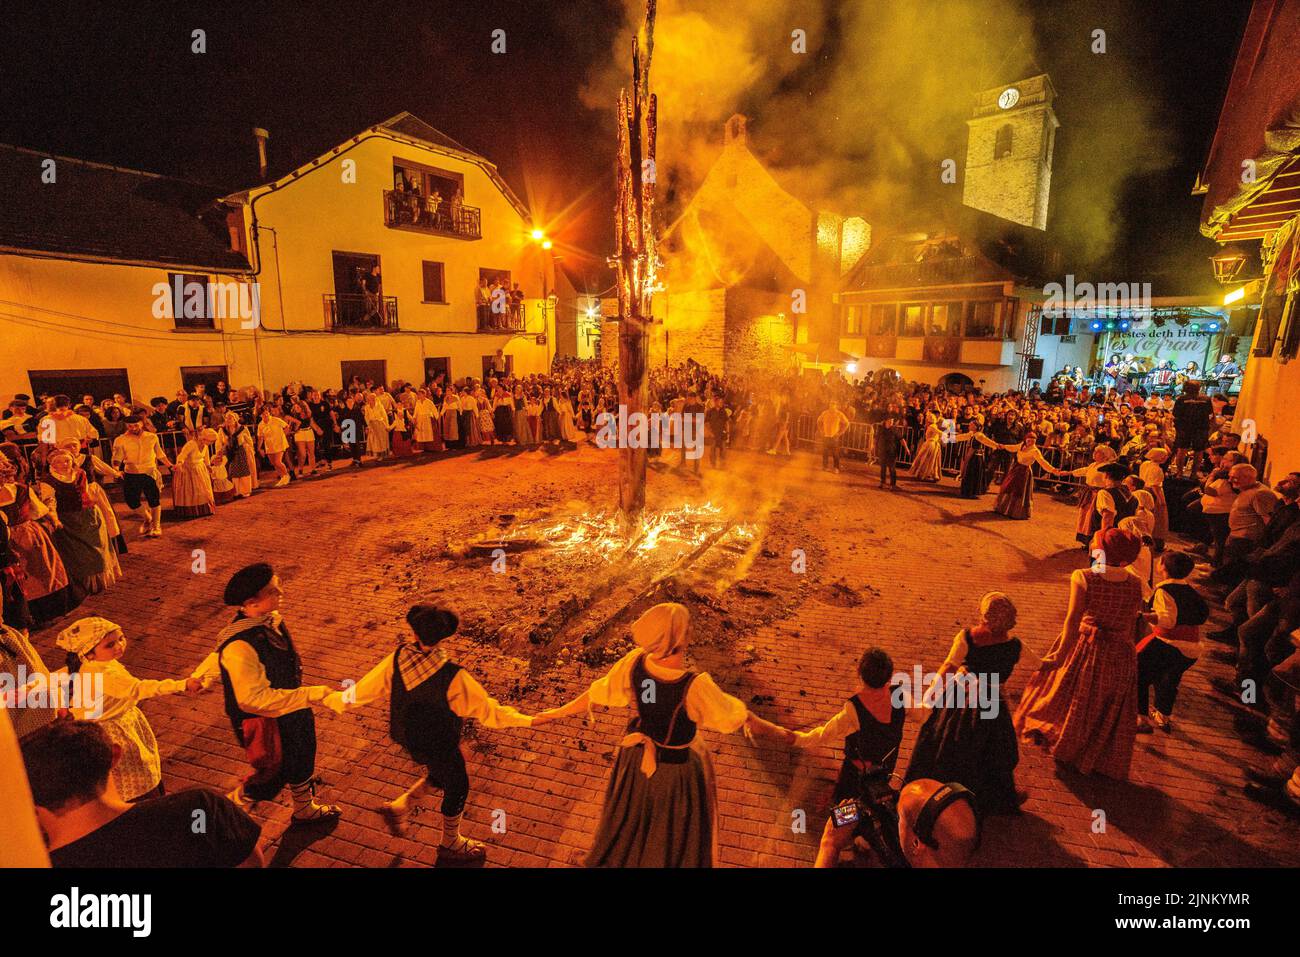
x,y
635,257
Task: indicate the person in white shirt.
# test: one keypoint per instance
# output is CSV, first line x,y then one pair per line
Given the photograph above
x,y
137,455
430,697
268,705
63,424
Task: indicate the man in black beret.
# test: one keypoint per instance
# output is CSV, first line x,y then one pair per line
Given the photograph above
x,y
266,701
430,697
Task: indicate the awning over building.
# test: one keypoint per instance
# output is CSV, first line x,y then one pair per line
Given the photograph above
x,y
1251,177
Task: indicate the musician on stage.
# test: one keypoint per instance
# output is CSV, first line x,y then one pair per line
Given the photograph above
x,y
1189,373
1225,373
1162,380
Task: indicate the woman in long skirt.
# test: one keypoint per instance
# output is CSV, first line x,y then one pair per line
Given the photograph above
x,y
399,434
451,434
961,740
193,494
79,532
241,456
377,424
1016,496
1082,702
533,406
973,481
661,804
486,423
1094,481
568,430
503,416
927,465
42,576
551,431
1152,473
428,422
523,431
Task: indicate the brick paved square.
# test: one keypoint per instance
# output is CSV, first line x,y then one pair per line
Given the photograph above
x,y
903,570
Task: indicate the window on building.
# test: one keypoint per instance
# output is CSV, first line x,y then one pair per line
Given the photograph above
x,y
435,289
944,319
913,319
1002,142
190,301
853,320
206,376
884,319
982,320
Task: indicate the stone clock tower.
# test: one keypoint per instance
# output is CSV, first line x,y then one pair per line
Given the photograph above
x,y
1009,151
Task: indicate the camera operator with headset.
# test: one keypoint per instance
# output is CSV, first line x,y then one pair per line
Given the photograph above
x,y
928,825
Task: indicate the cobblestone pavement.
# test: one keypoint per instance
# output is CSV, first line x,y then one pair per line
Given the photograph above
x,y
903,570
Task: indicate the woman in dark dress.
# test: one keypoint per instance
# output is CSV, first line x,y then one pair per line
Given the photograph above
x,y
660,807
968,736
975,465
551,431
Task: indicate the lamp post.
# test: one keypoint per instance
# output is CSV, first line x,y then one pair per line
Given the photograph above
x,y
541,239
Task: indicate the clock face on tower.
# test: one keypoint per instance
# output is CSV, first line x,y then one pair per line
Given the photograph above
x,y
1009,98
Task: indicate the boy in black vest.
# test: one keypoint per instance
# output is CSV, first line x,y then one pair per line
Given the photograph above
x,y
266,701
430,697
1177,613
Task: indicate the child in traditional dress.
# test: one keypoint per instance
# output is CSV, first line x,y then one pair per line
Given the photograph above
x,y
871,727
95,647
268,705
430,697
1174,643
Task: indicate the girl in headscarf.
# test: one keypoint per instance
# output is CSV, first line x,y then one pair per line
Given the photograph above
x,y
1081,702
1094,481
193,495
79,532
36,566
968,737
926,465
661,805
109,694
377,425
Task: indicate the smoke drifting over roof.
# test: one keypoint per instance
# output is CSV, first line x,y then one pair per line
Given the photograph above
x,y
862,121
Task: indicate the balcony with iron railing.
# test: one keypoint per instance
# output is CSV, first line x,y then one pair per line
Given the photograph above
x,y
355,312
404,210
505,320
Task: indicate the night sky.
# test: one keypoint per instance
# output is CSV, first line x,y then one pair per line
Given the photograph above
x,y
118,83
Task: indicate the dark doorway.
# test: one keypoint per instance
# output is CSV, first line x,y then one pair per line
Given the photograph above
x,y
209,376
437,366
351,271
367,370
75,383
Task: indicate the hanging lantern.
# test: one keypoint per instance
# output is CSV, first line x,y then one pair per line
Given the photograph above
x,y
1228,263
